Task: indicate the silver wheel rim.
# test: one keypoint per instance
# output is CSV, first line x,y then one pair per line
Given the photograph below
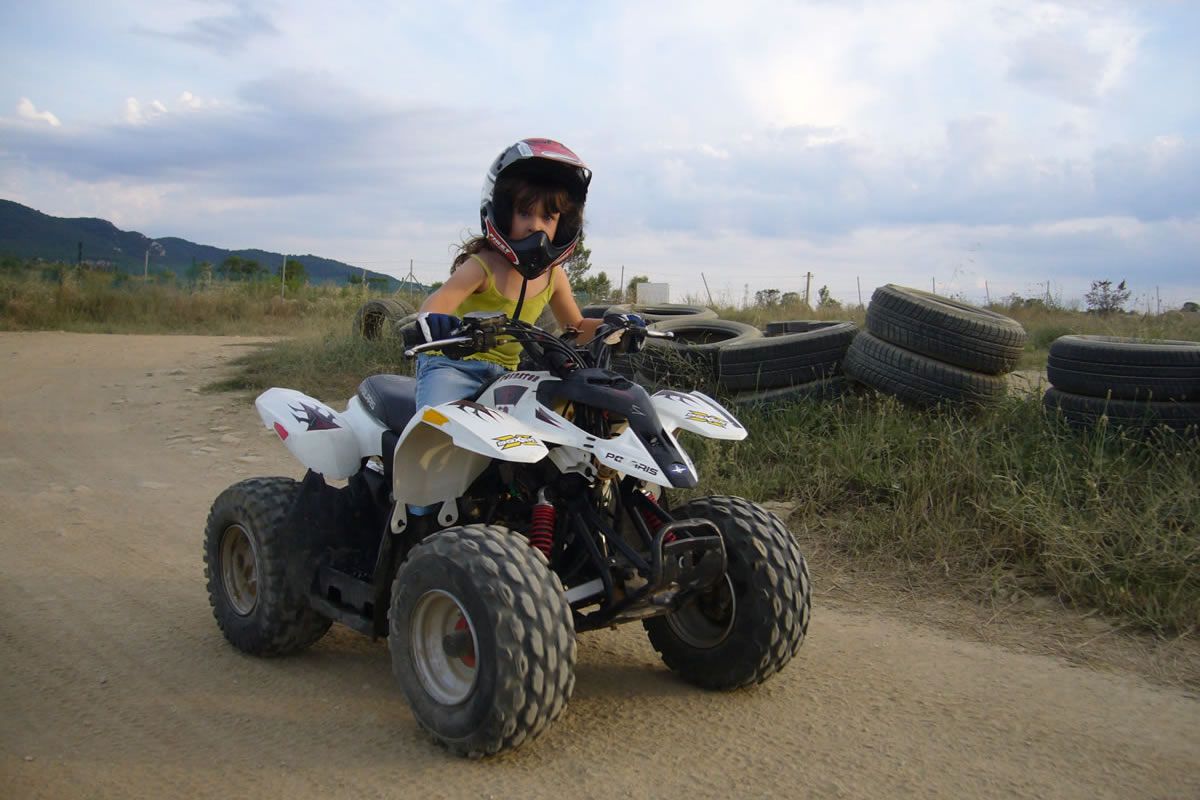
x,y
437,620
239,569
707,619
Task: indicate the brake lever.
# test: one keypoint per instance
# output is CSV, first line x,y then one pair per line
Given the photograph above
x,y
420,348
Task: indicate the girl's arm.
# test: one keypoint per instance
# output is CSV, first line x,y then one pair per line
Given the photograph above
x,y
458,287
566,310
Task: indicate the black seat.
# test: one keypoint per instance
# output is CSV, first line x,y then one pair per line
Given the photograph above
x,y
391,398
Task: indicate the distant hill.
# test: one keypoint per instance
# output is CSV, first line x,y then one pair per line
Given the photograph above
x,y
27,233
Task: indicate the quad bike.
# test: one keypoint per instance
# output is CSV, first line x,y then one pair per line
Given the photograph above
x,y
480,536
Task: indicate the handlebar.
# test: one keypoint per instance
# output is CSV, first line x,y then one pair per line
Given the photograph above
x,y
480,330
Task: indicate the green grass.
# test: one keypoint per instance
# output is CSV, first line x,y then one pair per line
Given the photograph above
x,y
104,303
1099,519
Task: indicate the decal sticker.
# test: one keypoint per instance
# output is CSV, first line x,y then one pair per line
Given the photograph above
x,y
313,417
471,407
546,418
509,395
436,417
680,396
678,468
708,419
517,376
512,440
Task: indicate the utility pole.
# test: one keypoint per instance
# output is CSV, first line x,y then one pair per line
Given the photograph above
x,y
1158,296
933,285
707,290
987,293
858,280
624,299
808,276
146,267
283,276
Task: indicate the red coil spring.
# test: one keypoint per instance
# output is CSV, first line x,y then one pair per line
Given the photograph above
x,y
541,531
653,520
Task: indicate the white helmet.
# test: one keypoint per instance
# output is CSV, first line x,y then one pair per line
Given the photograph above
x,y
541,161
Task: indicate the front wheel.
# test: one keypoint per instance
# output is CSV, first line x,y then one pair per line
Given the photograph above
x,y
482,639
751,622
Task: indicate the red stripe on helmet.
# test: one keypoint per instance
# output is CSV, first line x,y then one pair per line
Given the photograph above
x,y
498,241
548,148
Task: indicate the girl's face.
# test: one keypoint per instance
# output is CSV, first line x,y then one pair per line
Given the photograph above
x,y
534,220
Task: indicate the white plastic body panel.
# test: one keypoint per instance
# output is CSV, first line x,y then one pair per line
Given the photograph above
x,y
320,438
516,392
444,448
697,413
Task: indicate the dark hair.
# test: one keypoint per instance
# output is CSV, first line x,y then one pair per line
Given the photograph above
x,y
522,195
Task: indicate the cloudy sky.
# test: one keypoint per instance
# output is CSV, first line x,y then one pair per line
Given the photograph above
x,y
1033,146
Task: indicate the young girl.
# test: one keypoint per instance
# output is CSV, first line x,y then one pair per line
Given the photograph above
x,y
532,215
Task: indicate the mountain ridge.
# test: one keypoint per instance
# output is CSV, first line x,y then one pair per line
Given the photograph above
x,y
28,233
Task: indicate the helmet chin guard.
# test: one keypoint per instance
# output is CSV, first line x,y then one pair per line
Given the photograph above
x,y
541,160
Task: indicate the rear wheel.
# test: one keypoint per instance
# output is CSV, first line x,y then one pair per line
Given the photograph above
x,y
259,607
482,639
750,624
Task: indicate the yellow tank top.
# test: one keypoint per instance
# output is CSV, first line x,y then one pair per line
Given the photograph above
x,y
507,355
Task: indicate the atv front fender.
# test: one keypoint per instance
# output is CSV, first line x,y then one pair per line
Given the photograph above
x,y
443,449
698,413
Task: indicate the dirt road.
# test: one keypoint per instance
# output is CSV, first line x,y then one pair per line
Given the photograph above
x,y
115,682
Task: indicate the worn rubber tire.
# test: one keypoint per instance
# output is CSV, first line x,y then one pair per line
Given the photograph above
x,y
780,327
281,620
524,637
595,310
916,378
661,312
772,601
1083,411
377,318
826,389
1125,368
785,360
945,329
690,358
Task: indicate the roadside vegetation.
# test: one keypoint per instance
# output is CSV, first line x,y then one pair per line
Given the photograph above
x,y
1006,498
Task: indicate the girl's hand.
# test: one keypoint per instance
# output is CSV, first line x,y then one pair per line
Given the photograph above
x,y
434,326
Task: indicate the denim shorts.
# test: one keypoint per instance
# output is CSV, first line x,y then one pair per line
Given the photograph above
x,y
441,379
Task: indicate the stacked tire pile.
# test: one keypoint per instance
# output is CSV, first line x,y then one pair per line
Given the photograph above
x,y
794,360
927,349
1134,384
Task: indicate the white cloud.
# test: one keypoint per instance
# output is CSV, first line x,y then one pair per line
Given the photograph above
x,y
136,114
26,110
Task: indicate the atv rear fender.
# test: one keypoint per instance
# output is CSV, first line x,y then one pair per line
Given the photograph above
x,y
322,439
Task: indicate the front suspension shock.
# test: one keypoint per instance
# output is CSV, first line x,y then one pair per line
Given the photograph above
x,y
541,529
652,516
